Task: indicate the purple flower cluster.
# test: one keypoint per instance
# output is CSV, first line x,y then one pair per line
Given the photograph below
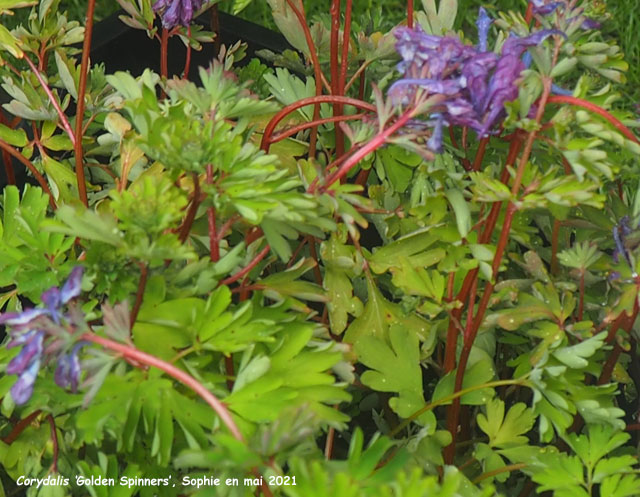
x,y
28,329
546,7
176,12
474,82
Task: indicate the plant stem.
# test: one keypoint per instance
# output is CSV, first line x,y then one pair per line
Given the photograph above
x,y
585,104
449,398
131,352
410,14
497,471
361,153
54,441
275,120
482,147
299,13
6,157
20,427
193,209
82,89
29,165
581,301
164,56
254,262
56,105
214,244
301,127
187,58
142,284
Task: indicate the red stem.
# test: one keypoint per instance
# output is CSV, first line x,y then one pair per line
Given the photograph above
x,y
316,69
63,119
275,120
39,178
82,88
410,14
193,209
214,244
142,284
164,56
20,427
244,271
371,146
301,127
6,157
335,70
529,14
54,441
482,147
130,352
187,59
585,104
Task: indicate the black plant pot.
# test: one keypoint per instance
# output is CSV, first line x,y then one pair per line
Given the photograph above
x,y
122,48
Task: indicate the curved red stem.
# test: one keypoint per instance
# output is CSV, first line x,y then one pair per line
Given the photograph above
x,y
585,104
271,125
130,352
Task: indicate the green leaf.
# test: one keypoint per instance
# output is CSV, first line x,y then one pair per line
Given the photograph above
x,y
576,355
394,368
15,137
461,209
7,40
506,431
379,314
480,372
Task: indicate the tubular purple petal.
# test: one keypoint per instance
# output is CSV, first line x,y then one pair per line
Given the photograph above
x,y
21,318
435,141
22,389
72,286
32,348
483,23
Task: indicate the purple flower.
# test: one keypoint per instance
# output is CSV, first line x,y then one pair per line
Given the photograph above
x,y
68,370
23,388
26,332
176,12
620,233
483,23
53,298
545,7
475,82
26,364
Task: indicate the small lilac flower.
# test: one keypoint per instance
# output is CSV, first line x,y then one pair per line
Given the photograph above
x,y
22,389
26,364
176,12
68,370
31,350
53,299
28,331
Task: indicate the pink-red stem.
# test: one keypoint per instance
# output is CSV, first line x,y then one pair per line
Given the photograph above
x,y
132,353
82,89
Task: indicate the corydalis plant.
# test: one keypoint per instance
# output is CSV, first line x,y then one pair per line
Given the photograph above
x,y
475,83
46,335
